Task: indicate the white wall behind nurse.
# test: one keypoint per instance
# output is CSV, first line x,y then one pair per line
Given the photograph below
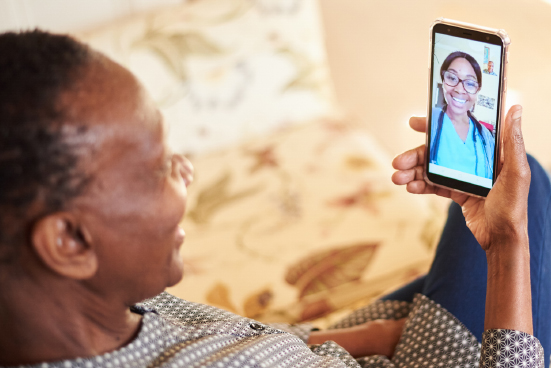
x,y
490,83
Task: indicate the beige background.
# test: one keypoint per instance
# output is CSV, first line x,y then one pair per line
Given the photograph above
x,y
369,42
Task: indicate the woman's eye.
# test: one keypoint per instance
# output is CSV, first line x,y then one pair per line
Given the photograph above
x,y
451,78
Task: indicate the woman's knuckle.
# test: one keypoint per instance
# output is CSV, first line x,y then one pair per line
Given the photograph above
x,y
518,138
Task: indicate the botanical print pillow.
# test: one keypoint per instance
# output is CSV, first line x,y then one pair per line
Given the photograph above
x,y
226,70
302,223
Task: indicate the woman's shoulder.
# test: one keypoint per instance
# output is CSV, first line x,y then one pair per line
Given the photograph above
x,y
435,114
436,111
488,137
486,132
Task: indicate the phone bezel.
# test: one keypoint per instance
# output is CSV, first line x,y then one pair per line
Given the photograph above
x,y
475,33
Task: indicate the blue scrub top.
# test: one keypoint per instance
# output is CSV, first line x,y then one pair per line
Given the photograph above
x,y
455,154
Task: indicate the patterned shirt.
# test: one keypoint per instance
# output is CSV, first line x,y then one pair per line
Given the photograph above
x,y
177,333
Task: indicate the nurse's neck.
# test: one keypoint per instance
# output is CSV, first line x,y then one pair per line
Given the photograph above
x,y
458,119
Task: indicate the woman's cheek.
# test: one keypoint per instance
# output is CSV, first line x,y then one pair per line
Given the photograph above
x,y
473,102
446,95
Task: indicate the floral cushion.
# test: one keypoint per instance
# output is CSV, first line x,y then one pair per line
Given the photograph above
x,y
225,70
301,224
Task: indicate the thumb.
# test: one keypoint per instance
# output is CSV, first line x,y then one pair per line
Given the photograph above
x,y
516,170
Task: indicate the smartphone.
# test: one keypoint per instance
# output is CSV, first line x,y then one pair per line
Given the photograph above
x,y
467,88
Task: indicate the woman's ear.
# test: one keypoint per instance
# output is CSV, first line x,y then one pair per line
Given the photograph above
x,y
64,247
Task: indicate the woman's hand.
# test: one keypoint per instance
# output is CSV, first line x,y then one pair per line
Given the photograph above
x,y
498,222
378,337
502,216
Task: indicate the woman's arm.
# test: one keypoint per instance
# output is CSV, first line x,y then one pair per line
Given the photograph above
x,y
508,297
378,337
498,222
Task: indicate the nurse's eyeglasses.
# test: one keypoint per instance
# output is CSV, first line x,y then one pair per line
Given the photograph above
x,y
453,80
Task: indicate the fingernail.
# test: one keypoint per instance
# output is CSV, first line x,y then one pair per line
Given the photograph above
x,y
517,114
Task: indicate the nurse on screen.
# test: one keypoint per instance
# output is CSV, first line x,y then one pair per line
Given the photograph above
x,y
458,140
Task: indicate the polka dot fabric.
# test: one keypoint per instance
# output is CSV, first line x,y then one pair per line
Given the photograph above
x,y
433,337
176,333
184,313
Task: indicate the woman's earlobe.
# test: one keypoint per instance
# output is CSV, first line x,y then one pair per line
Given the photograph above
x,y
63,248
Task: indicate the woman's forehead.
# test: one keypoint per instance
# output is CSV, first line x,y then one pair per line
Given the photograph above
x,y
462,67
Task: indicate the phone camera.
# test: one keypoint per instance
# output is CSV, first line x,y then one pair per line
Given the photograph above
x,y
487,37
448,29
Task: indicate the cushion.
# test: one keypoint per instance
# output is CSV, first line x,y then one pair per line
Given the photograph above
x,y
301,224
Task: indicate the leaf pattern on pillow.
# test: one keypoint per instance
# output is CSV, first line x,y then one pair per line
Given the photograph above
x,y
258,303
215,196
330,268
219,295
263,158
365,197
173,49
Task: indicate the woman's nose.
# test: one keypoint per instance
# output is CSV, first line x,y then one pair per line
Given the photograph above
x,y
460,88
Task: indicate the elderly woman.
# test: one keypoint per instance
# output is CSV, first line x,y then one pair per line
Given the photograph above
x,y
91,199
458,140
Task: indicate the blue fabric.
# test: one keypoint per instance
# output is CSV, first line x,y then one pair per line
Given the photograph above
x,y
462,156
457,278
487,154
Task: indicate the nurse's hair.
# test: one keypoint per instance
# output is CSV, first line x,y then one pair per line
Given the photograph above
x,y
460,54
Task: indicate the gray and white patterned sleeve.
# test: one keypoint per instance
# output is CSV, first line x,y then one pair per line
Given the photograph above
x,y
302,330
332,349
510,348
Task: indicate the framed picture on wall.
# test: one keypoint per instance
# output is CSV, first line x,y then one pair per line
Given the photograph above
x,y
486,54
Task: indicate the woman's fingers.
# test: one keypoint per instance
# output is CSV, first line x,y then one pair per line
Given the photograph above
x,y
410,166
419,187
402,177
409,159
419,124
511,132
422,187
516,164
513,181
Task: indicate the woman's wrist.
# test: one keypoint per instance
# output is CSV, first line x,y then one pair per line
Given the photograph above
x,y
510,234
501,247
508,297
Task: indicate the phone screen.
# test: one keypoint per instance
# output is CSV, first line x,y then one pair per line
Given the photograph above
x,y
465,108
